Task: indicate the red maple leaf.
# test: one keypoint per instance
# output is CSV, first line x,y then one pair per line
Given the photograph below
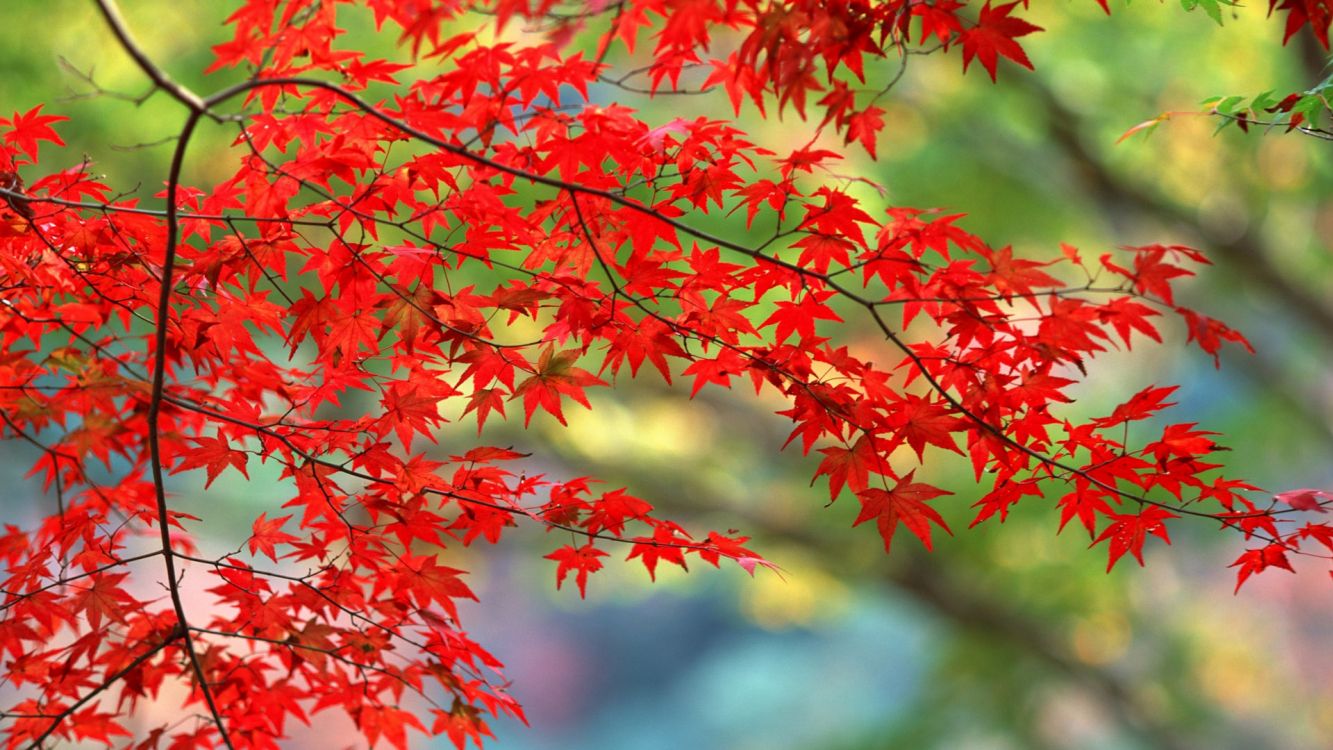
x,y
993,36
556,376
1010,275
1128,531
29,129
1258,560
581,560
1141,405
104,597
864,127
266,534
849,466
213,454
664,544
905,503
613,509
389,722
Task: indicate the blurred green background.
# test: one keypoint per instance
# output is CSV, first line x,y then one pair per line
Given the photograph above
x,y
1006,636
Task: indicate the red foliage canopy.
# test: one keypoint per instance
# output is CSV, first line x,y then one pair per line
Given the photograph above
x,y
402,236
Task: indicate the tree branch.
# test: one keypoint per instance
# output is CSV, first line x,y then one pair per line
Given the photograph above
x,y
111,12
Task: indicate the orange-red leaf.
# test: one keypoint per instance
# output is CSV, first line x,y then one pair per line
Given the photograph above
x,y
906,504
993,37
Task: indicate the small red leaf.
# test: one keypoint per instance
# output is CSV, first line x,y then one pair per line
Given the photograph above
x,y
905,503
994,36
581,560
267,533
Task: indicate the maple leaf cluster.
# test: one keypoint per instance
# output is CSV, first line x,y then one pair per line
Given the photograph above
x,y
496,231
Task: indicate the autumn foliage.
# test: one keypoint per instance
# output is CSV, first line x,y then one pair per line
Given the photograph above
x,y
483,226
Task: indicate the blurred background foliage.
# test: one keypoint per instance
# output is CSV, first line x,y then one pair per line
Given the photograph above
x,y
1006,636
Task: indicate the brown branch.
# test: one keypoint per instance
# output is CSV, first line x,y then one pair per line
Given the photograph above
x,y
111,12
159,370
